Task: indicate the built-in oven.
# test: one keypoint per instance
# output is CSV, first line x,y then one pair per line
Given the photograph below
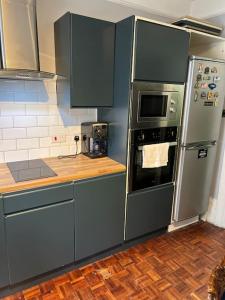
x,y
155,104
142,178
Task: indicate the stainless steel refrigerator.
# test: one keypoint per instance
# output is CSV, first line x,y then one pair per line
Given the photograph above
x,y
201,121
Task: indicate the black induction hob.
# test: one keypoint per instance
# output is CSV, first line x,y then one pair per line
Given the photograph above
x,y
30,169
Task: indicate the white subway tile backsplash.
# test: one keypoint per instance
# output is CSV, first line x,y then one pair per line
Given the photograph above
x,y
27,143
12,109
46,142
6,122
26,97
25,121
13,133
16,155
57,151
57,130
48,120
2,157
37,132
6,96
30,117
38,153
37,109
6,145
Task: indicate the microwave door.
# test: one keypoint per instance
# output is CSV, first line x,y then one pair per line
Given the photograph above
x,y
152,106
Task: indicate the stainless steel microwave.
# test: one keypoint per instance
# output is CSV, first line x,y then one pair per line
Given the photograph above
x,y
156,105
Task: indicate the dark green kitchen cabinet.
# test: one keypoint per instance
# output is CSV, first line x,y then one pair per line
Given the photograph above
x,y
99,214
148,210
39,238
161,53
84,51
4,274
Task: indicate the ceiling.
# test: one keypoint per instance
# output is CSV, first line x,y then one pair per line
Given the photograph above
x,y
177,8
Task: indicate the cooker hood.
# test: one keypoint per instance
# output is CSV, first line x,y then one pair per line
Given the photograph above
x,y
19,53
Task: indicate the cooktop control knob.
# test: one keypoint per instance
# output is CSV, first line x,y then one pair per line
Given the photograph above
x,y
172,102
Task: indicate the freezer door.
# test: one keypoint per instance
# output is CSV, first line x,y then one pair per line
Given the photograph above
x,y
194,178
203,101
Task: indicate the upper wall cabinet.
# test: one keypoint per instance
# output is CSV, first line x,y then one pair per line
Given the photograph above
x,y
84,49
161,53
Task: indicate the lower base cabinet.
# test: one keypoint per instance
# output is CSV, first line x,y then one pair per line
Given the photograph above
x,y
148,210
99,214
4,273
40,240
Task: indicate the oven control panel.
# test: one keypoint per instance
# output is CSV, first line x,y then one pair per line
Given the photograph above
x,y
154,135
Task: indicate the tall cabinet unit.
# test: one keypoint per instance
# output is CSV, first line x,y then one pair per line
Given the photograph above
x,y
84,50
144,51
151,52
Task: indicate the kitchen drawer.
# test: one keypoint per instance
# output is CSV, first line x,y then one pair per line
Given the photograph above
x,y
39,240
148,210
25,200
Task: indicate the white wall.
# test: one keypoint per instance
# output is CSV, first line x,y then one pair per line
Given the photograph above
x,y
172,8
207,8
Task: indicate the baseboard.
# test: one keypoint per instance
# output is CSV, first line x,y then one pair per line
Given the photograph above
x,y
178,225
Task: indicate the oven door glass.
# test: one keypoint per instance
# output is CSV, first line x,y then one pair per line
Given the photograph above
x,y
152,105
144,178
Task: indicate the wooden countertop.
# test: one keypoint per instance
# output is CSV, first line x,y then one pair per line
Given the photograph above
x,y
67,169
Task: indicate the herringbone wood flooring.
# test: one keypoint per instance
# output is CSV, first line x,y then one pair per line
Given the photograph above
x,y
173,266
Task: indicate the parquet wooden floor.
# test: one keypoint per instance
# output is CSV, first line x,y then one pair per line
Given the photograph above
x,y
170,267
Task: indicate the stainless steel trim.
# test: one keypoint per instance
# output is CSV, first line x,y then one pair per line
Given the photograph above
x,y
178,180
193,57
187,99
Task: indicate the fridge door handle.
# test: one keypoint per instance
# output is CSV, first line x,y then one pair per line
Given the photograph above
x,y
196,147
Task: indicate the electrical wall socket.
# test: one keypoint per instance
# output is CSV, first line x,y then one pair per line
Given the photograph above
x,y
58,139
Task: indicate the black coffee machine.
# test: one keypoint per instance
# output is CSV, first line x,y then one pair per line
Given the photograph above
x,y
94,139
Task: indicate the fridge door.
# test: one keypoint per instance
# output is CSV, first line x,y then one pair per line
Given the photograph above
x,y
203,101
195,171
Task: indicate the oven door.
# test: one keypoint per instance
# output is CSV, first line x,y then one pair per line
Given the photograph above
x,y
142,178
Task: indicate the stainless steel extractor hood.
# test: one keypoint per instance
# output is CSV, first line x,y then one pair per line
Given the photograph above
x,y
19,53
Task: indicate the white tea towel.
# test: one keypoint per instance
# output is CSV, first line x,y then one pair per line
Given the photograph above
x,y
155,155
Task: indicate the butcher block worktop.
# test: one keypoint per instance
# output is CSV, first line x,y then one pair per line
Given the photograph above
x,y
67,169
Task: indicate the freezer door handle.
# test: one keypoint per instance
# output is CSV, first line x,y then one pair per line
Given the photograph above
x,y
200,146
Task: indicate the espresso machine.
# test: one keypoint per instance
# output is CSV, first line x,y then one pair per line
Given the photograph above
x,y
94,139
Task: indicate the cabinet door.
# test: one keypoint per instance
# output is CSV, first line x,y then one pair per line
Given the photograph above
x,y
148,210
92,62
99,214
161,53
4,276
40,240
